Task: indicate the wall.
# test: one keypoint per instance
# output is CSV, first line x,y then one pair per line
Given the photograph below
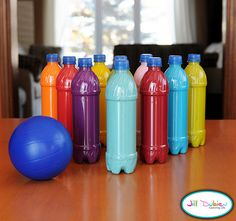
x,y
25,19
48,22
42,21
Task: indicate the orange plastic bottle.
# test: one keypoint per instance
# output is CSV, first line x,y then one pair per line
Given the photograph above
x,y
48,86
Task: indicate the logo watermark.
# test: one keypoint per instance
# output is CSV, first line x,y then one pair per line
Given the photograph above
x,y
207,204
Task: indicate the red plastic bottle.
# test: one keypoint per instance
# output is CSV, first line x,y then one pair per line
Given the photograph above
x,y
64,96
154,104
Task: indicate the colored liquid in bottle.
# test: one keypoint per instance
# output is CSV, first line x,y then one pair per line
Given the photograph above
x,y
103,73
121,95
85,104
196,101
138,76
177,106
64,96
154,107
48,86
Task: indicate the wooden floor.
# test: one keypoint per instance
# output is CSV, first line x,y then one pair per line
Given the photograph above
x,y
152,192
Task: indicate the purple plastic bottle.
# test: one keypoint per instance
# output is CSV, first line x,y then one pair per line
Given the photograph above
x,y
85,104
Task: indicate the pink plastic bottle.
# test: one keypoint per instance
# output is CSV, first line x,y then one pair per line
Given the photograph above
x,y
138,76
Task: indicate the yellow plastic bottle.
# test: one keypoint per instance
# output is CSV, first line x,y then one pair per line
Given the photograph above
x,y
48,86
103,73
196,101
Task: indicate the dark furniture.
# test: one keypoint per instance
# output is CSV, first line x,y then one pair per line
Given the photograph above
x,y
27,80
214,99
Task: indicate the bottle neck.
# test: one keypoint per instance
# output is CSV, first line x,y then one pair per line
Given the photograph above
x,y
194,63
154,68
174,65
69,65
121,71
144,63
52,62
84,68
99,63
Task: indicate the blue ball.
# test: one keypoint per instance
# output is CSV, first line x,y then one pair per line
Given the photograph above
x,y
40,148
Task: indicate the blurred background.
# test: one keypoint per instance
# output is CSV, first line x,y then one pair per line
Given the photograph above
x,y
85,27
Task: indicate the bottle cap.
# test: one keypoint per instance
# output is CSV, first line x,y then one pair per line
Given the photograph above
x,y
120,57
154,62
52,57
194,58
121,64
144,57
99,58
69,60
175,59
85,62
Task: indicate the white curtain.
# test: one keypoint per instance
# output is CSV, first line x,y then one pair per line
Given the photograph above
x,y
185,21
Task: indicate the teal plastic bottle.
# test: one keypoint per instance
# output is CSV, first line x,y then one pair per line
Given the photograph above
x,y
177,106
121,58
121,96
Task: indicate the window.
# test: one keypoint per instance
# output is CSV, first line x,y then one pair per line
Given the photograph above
x,y
85,27
157,22
74,26
117,25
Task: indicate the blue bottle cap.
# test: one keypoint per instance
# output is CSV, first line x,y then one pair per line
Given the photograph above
x,y
52,57
154,62
121,64
69,60
89,62
144,57
85,62
194,58
175,59
99,58
120,57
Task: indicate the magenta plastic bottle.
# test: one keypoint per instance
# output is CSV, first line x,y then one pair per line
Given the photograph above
x,y
85,106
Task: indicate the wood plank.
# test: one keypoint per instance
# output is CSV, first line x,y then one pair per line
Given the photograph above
x,y
230,62
8,55
152,192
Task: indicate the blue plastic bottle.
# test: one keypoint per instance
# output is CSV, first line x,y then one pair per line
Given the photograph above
x,y
177,106
121,96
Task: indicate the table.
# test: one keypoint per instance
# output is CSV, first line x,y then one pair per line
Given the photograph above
x,y
89,192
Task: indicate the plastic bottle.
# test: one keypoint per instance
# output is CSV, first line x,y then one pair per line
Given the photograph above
x,y
177,106
64,97
103,73
154,103
85,104
138,76
196,101
121,95
48,86
121,58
